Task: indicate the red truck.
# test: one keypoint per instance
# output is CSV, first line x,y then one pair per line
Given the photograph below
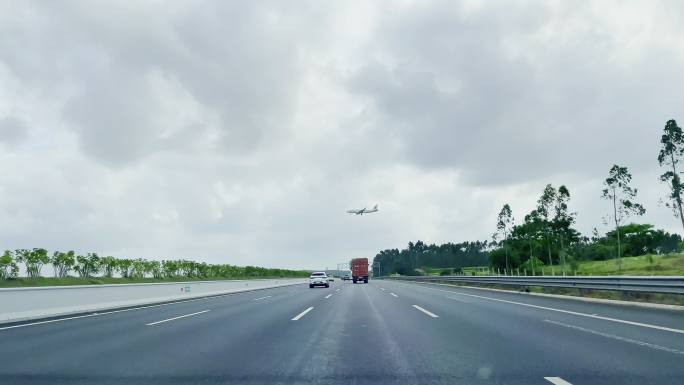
x,y
359,268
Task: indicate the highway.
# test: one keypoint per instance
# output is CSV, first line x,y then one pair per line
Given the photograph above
x,y
384,332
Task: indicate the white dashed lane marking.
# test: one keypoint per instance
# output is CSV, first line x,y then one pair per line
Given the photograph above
x,y
302,314
557,381
458,299
175,318
433,315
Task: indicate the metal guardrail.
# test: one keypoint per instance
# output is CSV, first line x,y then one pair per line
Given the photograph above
x,y
665,284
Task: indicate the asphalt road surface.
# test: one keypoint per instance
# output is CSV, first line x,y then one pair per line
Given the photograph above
x,y
378,333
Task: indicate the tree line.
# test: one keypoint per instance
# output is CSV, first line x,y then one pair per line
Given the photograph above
x,y
411,260
546,236
92,265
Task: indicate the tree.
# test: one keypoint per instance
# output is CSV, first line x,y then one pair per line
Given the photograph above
x,y
87,265
138,268
562,220
170,268
33,260
544,205
39,258
62,263
532,264
157,271
504,224
622,195
670,155
124,267
531,231
108,265
8,268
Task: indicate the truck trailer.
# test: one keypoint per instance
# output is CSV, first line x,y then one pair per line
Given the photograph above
x,y
359,268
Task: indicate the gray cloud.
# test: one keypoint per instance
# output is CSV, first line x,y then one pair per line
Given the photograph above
x,y
12,130
241,131
468,90
132,72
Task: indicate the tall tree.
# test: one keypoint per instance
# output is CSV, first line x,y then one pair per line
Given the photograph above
x,y
669,156
504,224
562,220
532,232
544,206
622,195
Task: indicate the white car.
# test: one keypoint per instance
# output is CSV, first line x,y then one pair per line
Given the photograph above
x,y
318,278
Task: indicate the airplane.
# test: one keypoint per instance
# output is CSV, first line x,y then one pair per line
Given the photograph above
x,y
363,211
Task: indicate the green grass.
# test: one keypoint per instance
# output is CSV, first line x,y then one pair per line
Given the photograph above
x,y
479,270
69,281
431,270
670,264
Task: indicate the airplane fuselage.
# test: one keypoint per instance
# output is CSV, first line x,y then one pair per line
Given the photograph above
x,y
363,211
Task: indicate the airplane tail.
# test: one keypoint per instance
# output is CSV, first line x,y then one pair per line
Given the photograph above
x,y
375,207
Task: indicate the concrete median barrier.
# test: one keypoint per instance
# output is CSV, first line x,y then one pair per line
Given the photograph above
x,y
19,304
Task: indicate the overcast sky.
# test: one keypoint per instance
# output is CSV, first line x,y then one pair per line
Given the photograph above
x,y
240,132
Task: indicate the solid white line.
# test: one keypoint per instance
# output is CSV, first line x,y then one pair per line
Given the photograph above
x,y
103,313
175,318
50,321
581,314
394,295
256,299
328,296
302,314
382,288
623,339
433,315
557,381
673,330
458,299
337,290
